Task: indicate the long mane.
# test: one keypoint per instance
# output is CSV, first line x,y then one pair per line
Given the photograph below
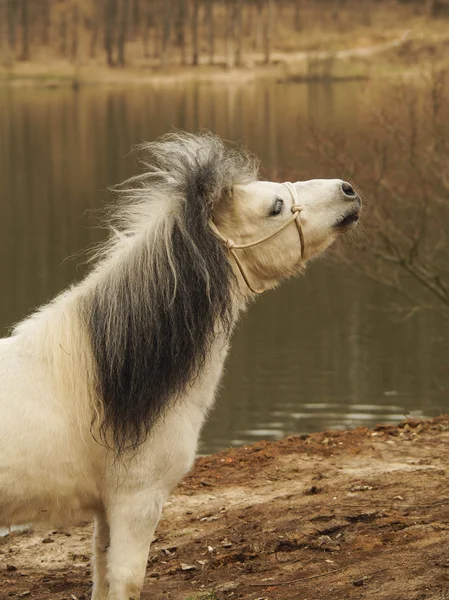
x,y
163,285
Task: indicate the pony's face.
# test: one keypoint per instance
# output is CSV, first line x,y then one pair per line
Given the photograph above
x,y
328,207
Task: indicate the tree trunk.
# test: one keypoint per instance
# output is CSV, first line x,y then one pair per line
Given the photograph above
x,y
4,34
136,17
146,37
109,31
339,6
180,26
75,31
45,15
157,34
268,30
13,19
258,28
94,33
25,54
229,35
63,33
195,19
432,8
123,26
146,32
166,27
210,30
365,16
237,32
156,45
297,14
248,22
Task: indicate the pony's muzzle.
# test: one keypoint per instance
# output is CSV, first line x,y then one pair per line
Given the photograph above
x,y
348,191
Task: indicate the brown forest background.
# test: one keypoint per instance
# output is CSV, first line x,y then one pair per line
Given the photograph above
x,y
183,32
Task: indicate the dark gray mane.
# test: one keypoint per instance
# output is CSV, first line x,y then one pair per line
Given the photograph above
x,y
163,288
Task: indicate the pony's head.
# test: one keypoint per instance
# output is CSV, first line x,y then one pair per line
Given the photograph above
x,y
172,276
273,229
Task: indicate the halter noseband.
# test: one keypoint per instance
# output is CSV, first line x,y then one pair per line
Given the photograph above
x,y
296,209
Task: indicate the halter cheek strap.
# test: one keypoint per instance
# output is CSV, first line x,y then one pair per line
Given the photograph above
x,y
296,209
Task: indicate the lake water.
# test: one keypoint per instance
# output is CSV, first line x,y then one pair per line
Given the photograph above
x,y
319,352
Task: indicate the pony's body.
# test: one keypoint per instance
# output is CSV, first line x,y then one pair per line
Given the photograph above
x,y
45,450
44,389
55,454
104,391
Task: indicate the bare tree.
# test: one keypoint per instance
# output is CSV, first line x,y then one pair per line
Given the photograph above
x,y
75,23
5,46
136,17
45,17
432,7
238,31
210,28
147,22
229,34
181,19
122,30
93,25
156,30
62,28
12,23
166,29
338,6
365,12
297,5
268,28
258,25
195,24
24,19
404,243
110,18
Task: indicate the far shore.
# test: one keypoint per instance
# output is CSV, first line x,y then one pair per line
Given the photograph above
x,y
406,54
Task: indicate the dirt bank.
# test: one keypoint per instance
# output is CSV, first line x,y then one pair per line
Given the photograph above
x,y
330,516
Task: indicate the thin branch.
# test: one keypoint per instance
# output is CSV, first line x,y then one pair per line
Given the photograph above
x,y
270,583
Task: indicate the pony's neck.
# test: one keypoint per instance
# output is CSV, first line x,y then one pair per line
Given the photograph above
x,y
118,335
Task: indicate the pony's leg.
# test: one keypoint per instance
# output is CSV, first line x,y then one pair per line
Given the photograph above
x,y
100,547
132,522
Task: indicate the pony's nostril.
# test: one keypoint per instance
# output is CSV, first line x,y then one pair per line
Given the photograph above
x,y
348,190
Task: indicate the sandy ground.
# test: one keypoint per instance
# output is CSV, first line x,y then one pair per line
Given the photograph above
x,y
335,515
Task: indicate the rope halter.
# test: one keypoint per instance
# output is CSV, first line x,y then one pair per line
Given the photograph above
x,y
296,209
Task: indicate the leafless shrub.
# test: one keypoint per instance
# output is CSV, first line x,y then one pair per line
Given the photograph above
x,y
402,172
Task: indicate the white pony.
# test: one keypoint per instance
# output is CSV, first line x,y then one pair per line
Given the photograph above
x,y
103,391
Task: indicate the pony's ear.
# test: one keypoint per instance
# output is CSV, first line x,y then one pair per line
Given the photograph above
x,y
223,208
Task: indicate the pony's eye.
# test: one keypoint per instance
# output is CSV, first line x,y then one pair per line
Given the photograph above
x,y
277,207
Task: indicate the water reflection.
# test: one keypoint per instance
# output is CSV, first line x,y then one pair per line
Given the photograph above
x,y
317,370
316,353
